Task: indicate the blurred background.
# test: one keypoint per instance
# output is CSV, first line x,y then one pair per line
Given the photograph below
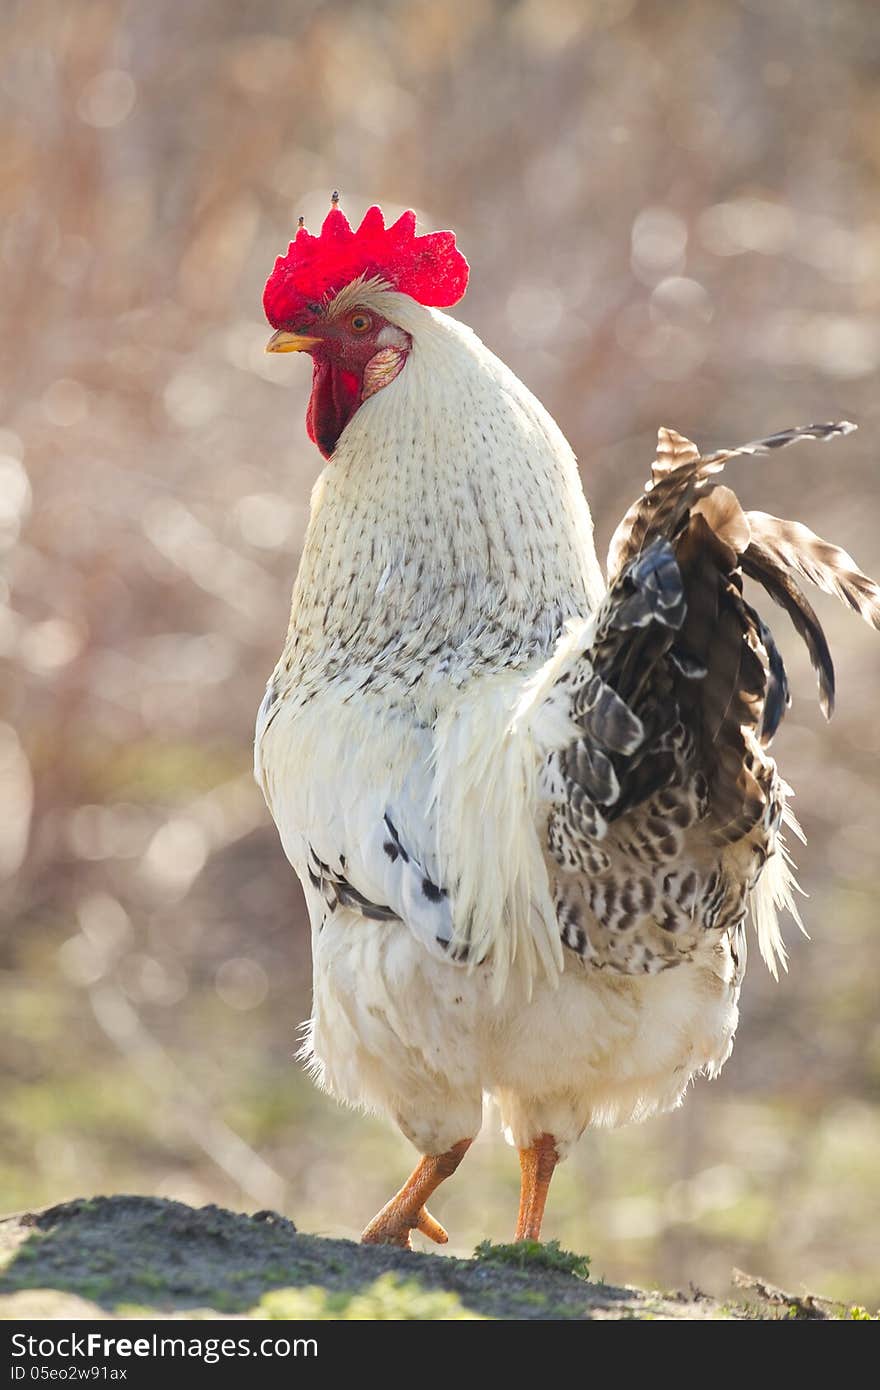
x,y
672,214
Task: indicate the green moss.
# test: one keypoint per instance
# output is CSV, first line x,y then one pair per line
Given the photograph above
x,y
387,1298
533,1297
98,1290
526,1254
224,1301
23,1255
738,1310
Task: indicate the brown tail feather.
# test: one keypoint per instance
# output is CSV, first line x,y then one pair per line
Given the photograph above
x,y
835,429
673,451
736,706
680,474
769,549
796,547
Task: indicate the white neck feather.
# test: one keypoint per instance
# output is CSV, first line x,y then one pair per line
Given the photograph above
x,y
451,510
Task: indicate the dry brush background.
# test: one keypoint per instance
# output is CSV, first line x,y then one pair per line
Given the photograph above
x,y
672,214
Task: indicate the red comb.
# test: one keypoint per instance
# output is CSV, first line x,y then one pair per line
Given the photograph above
x,y
429,268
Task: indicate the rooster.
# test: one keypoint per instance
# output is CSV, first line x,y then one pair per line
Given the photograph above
x,y
531,808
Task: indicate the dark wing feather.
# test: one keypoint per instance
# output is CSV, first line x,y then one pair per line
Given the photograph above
x,y
688,675
335,888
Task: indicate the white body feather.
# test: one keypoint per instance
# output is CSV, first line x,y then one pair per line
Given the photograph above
x,y
449,544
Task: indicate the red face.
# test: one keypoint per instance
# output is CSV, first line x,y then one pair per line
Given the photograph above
x,y
354,353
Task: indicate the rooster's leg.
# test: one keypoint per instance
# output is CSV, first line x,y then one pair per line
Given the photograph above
x,y
406,1211
537,1164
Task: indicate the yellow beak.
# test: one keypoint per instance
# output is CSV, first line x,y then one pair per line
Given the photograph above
x,y
282,341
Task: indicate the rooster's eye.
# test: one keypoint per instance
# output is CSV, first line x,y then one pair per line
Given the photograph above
x,y
359,323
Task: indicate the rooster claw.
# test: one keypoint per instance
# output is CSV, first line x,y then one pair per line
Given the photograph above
x,y
431,1228
395,1228
406,1212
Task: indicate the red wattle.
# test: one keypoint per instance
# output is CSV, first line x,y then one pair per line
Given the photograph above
x,y
335,397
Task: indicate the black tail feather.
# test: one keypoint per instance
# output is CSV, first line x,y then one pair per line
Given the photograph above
x,y
758,563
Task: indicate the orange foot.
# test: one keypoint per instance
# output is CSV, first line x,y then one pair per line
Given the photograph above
x,y
394,1225
537,1164
406,1212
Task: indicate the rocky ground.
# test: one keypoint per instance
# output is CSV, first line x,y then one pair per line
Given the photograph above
x,y
123,1256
